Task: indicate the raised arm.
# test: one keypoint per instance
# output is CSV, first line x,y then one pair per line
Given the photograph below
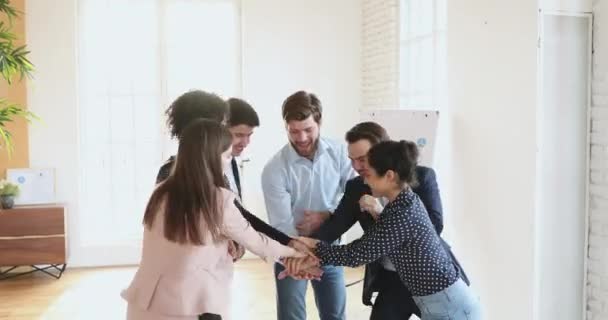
x,y
382,238
239,230
261,226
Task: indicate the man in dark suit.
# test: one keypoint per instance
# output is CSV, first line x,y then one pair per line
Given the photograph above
x,y
394,299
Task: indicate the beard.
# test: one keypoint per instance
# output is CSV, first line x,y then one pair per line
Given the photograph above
x,y
308,150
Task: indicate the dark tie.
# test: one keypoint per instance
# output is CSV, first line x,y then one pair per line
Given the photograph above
x,y
237,178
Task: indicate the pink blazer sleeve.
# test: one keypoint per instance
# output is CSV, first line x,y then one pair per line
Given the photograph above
x,y
239,230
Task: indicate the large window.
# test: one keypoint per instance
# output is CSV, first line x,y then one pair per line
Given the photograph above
x,y
422,57
135,57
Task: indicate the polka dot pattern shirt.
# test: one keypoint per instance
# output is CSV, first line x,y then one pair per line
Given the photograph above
x,y
405,234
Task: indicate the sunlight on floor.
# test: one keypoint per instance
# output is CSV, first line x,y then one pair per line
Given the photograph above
x,y
95,294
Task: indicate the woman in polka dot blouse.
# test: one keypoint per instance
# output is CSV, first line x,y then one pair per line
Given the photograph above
x,y
405,234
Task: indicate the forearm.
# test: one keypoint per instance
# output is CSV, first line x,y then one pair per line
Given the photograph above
x,y
237,228
261,245
383,237
261,226
278,202
342,219
333,228
340,255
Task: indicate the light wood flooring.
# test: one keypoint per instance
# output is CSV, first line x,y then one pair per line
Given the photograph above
x,y
89,294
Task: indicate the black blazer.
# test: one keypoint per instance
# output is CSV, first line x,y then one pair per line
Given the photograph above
x,y
348,212
256,223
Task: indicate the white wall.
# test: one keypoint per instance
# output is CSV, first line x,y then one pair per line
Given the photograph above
x,y
53,95
51,38
291,45
492,123
286,46
597,272
380,59
562,165
566,5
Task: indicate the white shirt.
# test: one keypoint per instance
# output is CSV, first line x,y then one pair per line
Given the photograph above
x,y
292,183
229,174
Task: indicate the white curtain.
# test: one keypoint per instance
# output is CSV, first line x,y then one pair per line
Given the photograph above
x,y
422,56
134,58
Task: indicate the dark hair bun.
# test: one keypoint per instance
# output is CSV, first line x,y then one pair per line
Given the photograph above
x,y
409,151
400,157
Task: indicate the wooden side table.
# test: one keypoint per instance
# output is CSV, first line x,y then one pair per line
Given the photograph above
x,y
33,236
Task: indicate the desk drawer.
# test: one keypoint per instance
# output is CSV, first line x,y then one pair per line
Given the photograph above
x,y
32,251
31,221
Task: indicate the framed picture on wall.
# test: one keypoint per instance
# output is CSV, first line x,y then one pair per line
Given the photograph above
x,y
37,186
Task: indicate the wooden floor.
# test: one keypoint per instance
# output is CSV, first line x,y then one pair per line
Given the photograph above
x,y
87,294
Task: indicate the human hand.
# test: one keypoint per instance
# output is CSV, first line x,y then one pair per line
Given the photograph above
x,y
371,205
296,267
302,268
309,242
311,221
313,273
301,247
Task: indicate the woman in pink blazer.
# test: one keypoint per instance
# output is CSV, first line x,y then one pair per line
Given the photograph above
x,y
186,270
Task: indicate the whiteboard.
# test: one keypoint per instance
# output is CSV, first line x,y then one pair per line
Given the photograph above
x,y
37,186
419,126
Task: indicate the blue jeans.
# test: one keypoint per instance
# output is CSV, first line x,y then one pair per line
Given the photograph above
x,y
456,302
330,295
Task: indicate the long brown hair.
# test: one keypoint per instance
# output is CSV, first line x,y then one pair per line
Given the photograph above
x,y
191,192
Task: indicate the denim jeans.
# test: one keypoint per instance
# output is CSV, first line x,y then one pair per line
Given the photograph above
x,y
456,302
330,295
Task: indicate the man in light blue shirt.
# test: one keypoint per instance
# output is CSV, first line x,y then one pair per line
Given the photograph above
x,y
302,185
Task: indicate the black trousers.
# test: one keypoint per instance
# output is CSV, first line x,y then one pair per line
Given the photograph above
x,y
394,300
209,316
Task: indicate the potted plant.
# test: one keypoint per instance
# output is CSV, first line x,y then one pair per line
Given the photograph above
x,y
13,61
8,192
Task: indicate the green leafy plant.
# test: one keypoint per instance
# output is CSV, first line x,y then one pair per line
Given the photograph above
x,y
8,188
13,62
